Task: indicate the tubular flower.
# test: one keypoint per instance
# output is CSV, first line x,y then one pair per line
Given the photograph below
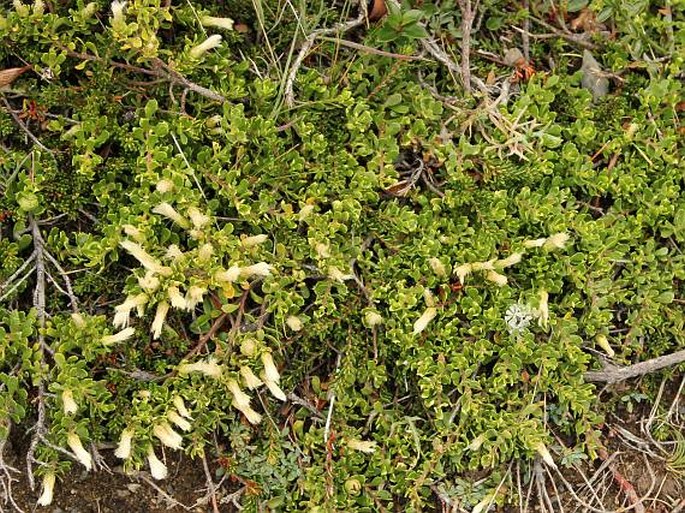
x,y
262,269
208,368
231,275
175,418
118,12
165,185
425,318
133,232
205,252
48,488
176,298
556,241
543,309
166,210
69,406
144,258
197,218
211,21
157,468
194,296
336,274
240,398
483,266
149,282
544,453
604,344
158,321
534,243
497,278
78,320
211,42
123,335
438,267
274,388
463,271
373,318
252,416
249,377
168,436
174,252
512,259
255,240
361,445
270,370
123,311
123,450
294,323
83,456
181,407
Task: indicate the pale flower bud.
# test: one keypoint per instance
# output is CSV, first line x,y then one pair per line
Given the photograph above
x,y
337,275
373,318
255,240
544,453
175,418
21,9
512,259
205,252
181,407
38,7
158,321
476,443
535,243
497,278
89,10
48,488
556,241
123,450
364,446
274,388
166,210
463,271
208,44
69,406
422,322
252,416
174,252
82,455
149,282
176,298
118,12
249,377
197,218
231,275
168,436
270,370
294,323
240,398
194,296
78,320
306,211
123,335
133,232
261,269
322,250
438,267
248,347
165,185
211,21
543,309
157,468
483,266
603,342
144,258
208,368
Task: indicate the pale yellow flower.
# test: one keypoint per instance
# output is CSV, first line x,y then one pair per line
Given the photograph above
x,y
208,368
365,446
274,388
255,240
231,275
438,267
69,406
176,298
165,185
144,258
603,342
422,322
175,418
168,436
211,42
512,259
249,377
48,488
158,321
373,318
83,456
211,21
149,282
240,398
123,450
118,12
261,269
463,271
543,309
198,219
122,336
294,323
556,241
157,468
194,296
544,453
166,210
180,406
270,369
497,278
535,243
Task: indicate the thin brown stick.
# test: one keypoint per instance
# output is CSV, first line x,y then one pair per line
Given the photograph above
x,y
218,322
374,51
468,14
210,484
611,374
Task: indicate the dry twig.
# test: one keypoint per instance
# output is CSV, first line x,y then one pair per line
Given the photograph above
x,y
611,374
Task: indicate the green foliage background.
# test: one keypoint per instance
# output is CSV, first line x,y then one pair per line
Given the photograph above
x,y
465,394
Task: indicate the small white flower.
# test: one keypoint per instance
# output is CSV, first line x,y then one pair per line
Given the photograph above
x,y
198,219
422,322
180,406
118,12
166,210
149,282
373,318
364,446
158,321
174,252
252,416
165,185
175,418
544,453
255,240
483,266
497,278
534,243
38,7
556,241
208,368
231,275
194,296
83,456
69,406
294,323
517,317
270,370
123,335
157,468
48,488
123,311
78,320
323,250
168,436
543,309
144,258
176,298
261,269
240,398
249,377
274,388
438,267
208,44
211,21
205,252
463,271
512,259
123,450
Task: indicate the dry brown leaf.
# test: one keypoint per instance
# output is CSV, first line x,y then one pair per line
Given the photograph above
x,y
9,75
377,10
